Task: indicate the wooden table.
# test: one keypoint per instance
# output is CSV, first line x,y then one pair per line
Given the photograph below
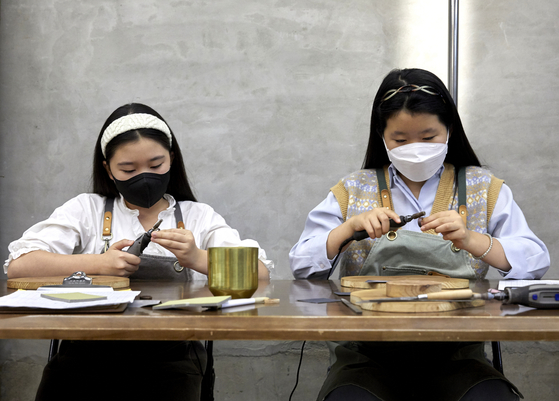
x,y
289,320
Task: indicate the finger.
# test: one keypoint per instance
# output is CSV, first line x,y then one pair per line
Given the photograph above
x,y
378,224
384,220
392,215
437,222
367,226
131,268
123,243
131,259
450,229
176,235
180,231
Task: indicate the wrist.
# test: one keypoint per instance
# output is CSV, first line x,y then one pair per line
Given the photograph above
x,y
488,249
197,260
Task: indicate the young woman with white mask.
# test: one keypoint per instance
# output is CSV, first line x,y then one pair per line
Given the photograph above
x,y
418,159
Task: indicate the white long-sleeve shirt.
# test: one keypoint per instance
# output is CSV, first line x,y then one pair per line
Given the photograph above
x,y
526,253
76,228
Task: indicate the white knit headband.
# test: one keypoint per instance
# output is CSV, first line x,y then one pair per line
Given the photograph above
x,y
131,122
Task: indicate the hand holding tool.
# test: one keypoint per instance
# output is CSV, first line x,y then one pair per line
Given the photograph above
x,y
143,240
359,235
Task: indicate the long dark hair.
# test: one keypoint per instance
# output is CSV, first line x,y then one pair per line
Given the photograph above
x,y
178,187
460,153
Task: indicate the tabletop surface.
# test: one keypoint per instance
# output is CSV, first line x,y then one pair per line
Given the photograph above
x,y
288,320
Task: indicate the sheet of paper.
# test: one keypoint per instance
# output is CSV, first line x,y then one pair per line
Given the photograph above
x,y
523,283
33,299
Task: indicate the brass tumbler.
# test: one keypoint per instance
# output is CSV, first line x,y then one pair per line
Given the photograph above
x,y
233,271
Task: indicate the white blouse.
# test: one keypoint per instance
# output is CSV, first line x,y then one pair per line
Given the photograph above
x,y
76,228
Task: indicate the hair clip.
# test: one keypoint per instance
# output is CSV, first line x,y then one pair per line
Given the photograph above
x,y
410,88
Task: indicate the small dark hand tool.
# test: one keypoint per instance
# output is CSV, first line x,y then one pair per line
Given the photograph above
x,y
143,240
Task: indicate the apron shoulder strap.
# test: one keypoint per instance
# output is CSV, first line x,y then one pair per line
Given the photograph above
x,y
383,176
178,216
107,222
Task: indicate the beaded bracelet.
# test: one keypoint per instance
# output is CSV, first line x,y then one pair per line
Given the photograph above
x,y
488,249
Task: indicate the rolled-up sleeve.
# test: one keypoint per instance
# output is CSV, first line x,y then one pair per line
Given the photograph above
x,y
526,253
308,257
67,228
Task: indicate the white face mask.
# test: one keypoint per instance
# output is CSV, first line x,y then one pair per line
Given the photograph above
x,y
418,161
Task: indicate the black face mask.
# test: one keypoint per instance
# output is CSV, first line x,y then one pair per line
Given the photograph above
x,y
145,189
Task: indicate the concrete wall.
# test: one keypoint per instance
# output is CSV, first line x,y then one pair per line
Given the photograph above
x,y
270,101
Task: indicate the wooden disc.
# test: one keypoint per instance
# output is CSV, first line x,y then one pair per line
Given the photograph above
x,y
361,281
421,306
411,288
32,283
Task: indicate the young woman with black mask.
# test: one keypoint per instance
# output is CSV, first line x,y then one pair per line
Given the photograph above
x,y
139,177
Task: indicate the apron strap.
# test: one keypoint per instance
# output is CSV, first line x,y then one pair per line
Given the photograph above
x,y
107,223
385,197
178,216
108,220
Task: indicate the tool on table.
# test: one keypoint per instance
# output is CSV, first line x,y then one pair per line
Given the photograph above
x,y
143,240
361,235
354,308
539,296
249,301
440,296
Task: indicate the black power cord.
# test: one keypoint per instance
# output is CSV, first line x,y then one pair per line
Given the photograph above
x,y
298,369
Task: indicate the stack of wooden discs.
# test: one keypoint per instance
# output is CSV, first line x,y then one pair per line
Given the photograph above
x,y
405,286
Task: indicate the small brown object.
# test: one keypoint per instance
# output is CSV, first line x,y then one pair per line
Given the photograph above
x,y
32,283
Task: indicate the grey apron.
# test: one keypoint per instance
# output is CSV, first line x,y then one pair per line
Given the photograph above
x,y
140,370
152,267
411,370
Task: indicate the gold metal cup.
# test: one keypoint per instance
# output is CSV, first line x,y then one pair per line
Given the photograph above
x,y
233,271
